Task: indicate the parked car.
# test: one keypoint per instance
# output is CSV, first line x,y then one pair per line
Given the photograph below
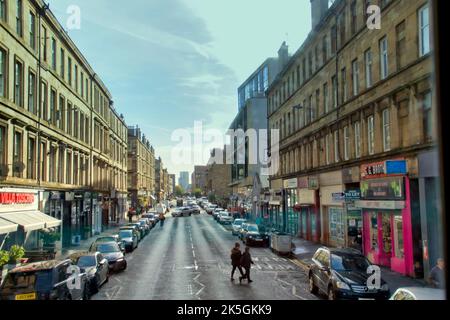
x,y
133,228
140,228
44,280
145,224
210,208
151,217
236,225
112,252
242,230
195,209
216,213
342,274
95,266
253,235
225,217
129,239
418,293
115,237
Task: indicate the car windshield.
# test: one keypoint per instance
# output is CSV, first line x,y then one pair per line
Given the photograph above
x,y
348,262
108,247
125,233
253,228
106,239
238,222
86,261
39,281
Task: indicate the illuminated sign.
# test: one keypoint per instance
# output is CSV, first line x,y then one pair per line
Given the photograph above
x,y
16,198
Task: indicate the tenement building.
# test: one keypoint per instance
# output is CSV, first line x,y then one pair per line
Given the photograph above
x,y
356,115
141,170
62,143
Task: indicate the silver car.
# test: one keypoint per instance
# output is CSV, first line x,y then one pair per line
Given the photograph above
x,y
236,226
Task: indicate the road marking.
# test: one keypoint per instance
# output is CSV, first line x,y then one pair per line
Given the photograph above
x,y
258,266
269,266
255,259
193,253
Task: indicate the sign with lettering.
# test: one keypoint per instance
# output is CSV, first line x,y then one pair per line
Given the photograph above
x,y
313,183
396,167
16,199
290,184
352,195
373,170
383,189
338,197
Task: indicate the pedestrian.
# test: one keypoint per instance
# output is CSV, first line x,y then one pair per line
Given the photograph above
x,y
246,262
162,218
130,215
437,276
236,260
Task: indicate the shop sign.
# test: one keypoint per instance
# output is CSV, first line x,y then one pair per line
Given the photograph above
x,y
313,183
338,197
396,167
16,198
352,195
79,195
290,184
12,199
384,168
383,189
55,195
382,205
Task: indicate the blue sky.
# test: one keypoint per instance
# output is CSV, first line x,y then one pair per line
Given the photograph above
x,y
169,63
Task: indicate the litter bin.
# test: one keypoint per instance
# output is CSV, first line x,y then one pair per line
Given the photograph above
x,y
281,243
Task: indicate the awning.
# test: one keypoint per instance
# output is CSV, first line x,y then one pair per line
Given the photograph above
x,y
7,227
31,220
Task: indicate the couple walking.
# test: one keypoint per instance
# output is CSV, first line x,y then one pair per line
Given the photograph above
x,y
239,260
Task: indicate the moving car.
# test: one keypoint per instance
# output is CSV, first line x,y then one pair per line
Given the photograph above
x,y
195,209
129,239
44,280
225,217
242,230
253,235
418,293
95,266
183,212
210,209
236,225
112,252
343,274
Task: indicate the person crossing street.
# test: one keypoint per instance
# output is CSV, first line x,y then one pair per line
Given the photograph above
x,y
246,262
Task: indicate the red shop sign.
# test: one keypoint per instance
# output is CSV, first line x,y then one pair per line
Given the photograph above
x,y
373,170
16,198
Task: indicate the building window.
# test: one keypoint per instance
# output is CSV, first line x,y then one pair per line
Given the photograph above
x,y
266,78
327,148
76,78
62,65
17,155
61,113
310,64
386,130
44,43
357,139
342,30
353,17
18,83
424,30
32,26
336,146
335,91
32,93
54,54
325,98
333,39
3,82
69,117
427,116
324,49
401,45
346,143
52,114
355,77
344,85
19,21
69,70
69,167
60,169
337,226
316,107
368,63
82,84
3,10
384,71
370,135
44,101
31,159
312,115
3,152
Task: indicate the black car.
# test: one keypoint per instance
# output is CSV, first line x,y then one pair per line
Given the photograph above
x,y
95,266
343,274
45,280
254,235
112,252
129,239
110,238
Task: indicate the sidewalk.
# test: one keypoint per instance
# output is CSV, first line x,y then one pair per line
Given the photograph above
x,y
305,250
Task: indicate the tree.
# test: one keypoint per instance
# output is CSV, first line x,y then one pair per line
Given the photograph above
x,y
179,191
197,192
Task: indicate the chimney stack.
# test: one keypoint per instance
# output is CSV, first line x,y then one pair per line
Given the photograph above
x,y
283,55
318,10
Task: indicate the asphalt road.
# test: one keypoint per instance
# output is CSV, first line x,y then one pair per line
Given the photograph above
x,y
189,259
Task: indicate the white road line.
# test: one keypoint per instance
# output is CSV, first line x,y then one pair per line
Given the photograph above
x,y
269,266
255,259
294,292
258,266
193,253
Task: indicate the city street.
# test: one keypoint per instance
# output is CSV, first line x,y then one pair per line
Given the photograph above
x,y
189,259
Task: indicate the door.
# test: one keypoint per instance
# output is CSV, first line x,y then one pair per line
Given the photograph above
x,y
385,239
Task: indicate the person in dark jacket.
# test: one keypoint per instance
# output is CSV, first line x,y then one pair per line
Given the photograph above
x,y
236,260
246,262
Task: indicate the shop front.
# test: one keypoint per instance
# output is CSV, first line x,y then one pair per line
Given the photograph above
x,y
275,208
353,215
290,201
385,204
308,208
21,222
332,209
96,213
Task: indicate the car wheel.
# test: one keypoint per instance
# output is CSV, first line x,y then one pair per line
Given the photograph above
x,y
125,266
312,286
86,293
331,295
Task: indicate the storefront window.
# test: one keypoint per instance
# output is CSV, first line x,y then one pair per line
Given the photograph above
x,y
387,242
336,224
398,237
373,231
